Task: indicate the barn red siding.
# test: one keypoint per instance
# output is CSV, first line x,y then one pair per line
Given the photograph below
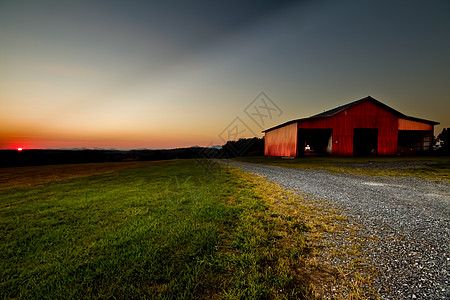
x,y
281,141
413,125
363,115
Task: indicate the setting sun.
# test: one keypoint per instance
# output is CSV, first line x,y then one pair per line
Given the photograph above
x,y
19,149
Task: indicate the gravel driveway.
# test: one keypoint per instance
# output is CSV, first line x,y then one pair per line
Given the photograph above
x,y
408,219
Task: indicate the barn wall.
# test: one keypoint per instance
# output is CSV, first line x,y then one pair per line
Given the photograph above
x,y
413,125
415,141
414,137
363,115
281,141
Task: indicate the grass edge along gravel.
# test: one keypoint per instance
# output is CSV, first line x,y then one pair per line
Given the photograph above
x,y
333,262
169,231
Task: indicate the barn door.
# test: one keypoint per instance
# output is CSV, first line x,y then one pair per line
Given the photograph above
x,y
314,142
365,141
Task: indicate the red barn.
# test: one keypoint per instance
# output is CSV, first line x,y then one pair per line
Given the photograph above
x,y
363,127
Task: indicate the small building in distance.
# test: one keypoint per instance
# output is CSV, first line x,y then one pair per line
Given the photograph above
x,y
361,128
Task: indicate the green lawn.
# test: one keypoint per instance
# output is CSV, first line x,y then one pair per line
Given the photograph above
x,y
166,230
433,168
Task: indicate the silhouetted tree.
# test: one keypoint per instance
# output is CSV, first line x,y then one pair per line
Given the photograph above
x,y
444,138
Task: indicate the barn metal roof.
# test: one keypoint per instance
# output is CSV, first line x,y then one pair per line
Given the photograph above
x,y
334,111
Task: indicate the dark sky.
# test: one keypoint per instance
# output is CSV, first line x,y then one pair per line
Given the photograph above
x,y
156,74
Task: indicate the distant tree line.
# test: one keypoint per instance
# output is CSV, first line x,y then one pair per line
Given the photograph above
x,y
242,147
12,158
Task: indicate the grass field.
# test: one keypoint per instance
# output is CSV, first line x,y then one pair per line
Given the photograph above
x,y
157,230
433,168
36,175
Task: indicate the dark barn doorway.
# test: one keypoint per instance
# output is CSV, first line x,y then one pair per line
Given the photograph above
x,y
314,142
414,141
365,141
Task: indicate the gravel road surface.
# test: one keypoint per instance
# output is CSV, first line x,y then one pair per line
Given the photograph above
x,y
407,218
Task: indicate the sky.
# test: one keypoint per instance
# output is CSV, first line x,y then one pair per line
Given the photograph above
x,y
165,74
